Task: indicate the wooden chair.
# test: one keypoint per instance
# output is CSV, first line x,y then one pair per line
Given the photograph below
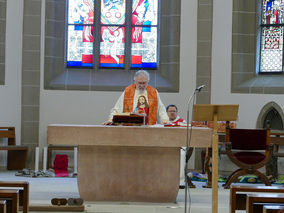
x,y
250,150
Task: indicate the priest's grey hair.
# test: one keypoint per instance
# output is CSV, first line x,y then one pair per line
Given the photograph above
x,y
142,72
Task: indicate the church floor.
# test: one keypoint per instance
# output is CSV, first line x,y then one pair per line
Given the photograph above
x,y
43,189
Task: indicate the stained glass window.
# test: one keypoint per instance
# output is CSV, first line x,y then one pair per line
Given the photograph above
x,y
144,33
80,33
272,23
107,21
112,33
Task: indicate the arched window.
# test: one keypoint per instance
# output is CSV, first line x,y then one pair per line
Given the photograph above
x,y
272,23
271,115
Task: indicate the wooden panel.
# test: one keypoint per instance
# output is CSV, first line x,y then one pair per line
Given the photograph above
x,y
50,208
8,132
144,174
225,112
17,159
127,136
277,140
14,147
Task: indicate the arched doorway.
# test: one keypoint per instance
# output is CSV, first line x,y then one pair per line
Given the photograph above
x,y
271,116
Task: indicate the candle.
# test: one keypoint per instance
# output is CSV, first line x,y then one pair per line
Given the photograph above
x,y
75,159
44,158
36,158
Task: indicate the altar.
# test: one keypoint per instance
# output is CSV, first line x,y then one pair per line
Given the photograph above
x,y
128,163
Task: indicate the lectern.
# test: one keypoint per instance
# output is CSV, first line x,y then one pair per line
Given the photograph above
x,y
215,112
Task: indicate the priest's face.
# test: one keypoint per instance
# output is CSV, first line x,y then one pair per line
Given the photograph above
x,y
141,82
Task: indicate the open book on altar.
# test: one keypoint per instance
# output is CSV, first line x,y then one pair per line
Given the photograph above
x,y
128,118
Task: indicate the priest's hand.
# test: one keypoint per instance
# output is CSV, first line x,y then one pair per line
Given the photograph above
x,y
107,123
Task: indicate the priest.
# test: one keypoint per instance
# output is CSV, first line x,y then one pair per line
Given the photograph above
x,y
141,98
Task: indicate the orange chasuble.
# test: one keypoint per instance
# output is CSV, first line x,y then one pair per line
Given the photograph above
x,y
129,93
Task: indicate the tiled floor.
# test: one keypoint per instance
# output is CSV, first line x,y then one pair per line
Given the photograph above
x,y
43,189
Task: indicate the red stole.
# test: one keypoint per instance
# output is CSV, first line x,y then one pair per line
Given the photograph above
x,y
177,121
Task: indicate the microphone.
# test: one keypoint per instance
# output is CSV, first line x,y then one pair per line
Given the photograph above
x,y
198,89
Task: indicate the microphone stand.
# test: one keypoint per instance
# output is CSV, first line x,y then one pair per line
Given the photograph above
x,y
188,138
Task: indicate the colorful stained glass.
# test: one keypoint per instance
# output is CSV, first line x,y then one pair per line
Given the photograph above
x,y
271,49
144,12
80,46
112,42
273,12
113,12
81,12
144,47
80,33
112,46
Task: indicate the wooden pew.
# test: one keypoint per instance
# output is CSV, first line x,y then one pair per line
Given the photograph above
x,y
272,208
239,193
3,206
12,197
254,201
23,193
17,155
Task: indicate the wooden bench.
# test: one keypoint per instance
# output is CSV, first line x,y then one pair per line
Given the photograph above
x,y
238,194
272,208
17,155
23,192
12,199
3,206
254,201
